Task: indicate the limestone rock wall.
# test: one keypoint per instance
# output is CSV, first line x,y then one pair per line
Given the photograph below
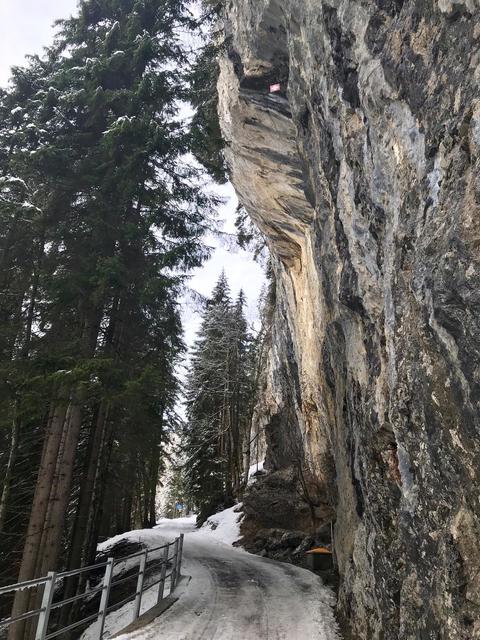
x,y
364,175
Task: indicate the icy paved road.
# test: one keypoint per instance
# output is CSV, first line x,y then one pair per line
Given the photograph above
x,y
237,596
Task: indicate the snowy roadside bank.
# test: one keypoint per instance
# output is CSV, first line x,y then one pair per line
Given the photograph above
x,y
224,527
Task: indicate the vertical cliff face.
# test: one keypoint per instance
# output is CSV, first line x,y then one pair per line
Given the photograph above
x,y
364,175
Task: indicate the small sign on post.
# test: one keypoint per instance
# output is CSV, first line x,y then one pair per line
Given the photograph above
x,y
275,88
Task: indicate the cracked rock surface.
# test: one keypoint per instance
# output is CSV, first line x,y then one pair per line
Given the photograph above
x,y
364,175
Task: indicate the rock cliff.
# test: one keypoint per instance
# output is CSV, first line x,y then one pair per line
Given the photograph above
x,y
363,173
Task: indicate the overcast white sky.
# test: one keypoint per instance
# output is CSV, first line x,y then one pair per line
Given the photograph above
x,y
25,27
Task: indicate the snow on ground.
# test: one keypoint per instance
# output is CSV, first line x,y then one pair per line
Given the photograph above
x,y
165,531
224,526
147,537
233,595
179,523
118,620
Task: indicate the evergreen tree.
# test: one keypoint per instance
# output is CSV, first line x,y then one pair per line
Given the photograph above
x,y
177,494
218,400
207,142
99,217
242,376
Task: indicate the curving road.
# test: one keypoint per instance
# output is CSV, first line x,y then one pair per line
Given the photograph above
x,y
237,596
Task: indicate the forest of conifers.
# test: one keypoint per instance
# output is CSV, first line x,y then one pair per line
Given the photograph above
x,y
102,216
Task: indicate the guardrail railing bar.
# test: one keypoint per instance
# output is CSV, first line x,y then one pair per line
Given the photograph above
x,y
49,581
23,616
47,598
139,592
139,553
23,585
74,625
118,605
107,583
80,596
115,583
162,546
180,556
151,585
74,572
161,586
174,570
130,557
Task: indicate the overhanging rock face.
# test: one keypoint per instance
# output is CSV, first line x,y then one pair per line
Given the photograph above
x,y
363,173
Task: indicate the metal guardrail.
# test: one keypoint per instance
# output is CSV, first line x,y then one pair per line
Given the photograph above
x,y
108,582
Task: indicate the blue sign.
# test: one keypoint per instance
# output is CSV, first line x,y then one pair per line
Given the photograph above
x,y
179,506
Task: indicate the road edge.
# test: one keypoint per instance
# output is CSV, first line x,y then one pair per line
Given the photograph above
x,y
155,612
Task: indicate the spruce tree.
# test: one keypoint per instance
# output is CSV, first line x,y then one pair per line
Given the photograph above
x,y
100,217
218,401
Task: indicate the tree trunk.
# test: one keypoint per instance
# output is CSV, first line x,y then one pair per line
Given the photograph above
x,y
24,353
7,480
84,515
52,491
83,526
54,526
155,463
38,513
99,495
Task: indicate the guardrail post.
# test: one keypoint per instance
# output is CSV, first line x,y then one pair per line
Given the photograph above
x,y
139,592
107,583
47,598
180,557
161,586
174,569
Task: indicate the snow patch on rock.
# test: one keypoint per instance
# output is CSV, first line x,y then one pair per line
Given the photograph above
x,y
224,526
149,538
254,470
